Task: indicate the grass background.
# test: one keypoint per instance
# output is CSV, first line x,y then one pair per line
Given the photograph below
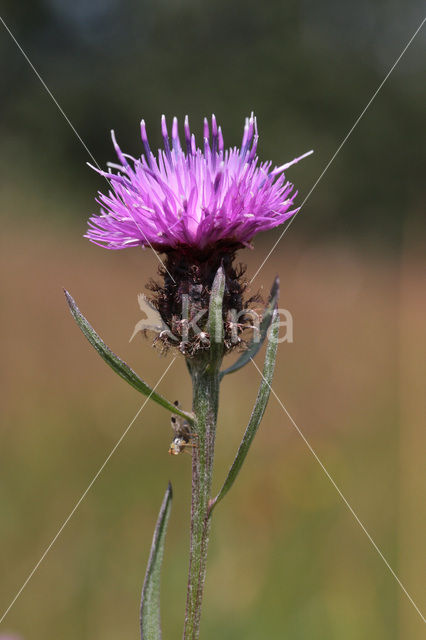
x,y
287,558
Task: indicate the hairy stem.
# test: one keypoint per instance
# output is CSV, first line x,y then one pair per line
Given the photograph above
x,y
205,380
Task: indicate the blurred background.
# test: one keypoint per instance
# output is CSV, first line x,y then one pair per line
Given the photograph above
x,y
287,558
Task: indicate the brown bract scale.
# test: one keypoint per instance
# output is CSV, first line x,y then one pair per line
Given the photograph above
x,y
182,298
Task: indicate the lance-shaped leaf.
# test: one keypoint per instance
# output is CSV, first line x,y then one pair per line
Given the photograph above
x,y
215,321
150,602
260,334
258,411
118,365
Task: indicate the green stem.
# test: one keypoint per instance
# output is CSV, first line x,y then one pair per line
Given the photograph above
x,y
205,381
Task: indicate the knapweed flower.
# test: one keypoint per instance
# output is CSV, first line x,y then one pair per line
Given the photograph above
x,y
197,207
192,198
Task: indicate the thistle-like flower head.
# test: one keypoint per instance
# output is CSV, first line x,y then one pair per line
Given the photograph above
x,y
191,198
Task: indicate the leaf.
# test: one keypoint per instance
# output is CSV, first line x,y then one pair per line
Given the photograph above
x,y
150,602
118,365
258,411
215,321
258,337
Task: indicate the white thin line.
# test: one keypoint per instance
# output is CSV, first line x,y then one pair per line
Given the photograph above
x,y
361,115
64,524
48,91
341,495
75,131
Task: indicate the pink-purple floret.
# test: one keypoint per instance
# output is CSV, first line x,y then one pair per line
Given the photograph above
x,y
191,197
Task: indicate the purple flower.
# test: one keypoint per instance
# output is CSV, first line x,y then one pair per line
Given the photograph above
x,y
191,198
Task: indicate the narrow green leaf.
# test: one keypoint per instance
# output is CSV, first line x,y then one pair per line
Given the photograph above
x,y
258,411
150,602
215,321
118,365
258,337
